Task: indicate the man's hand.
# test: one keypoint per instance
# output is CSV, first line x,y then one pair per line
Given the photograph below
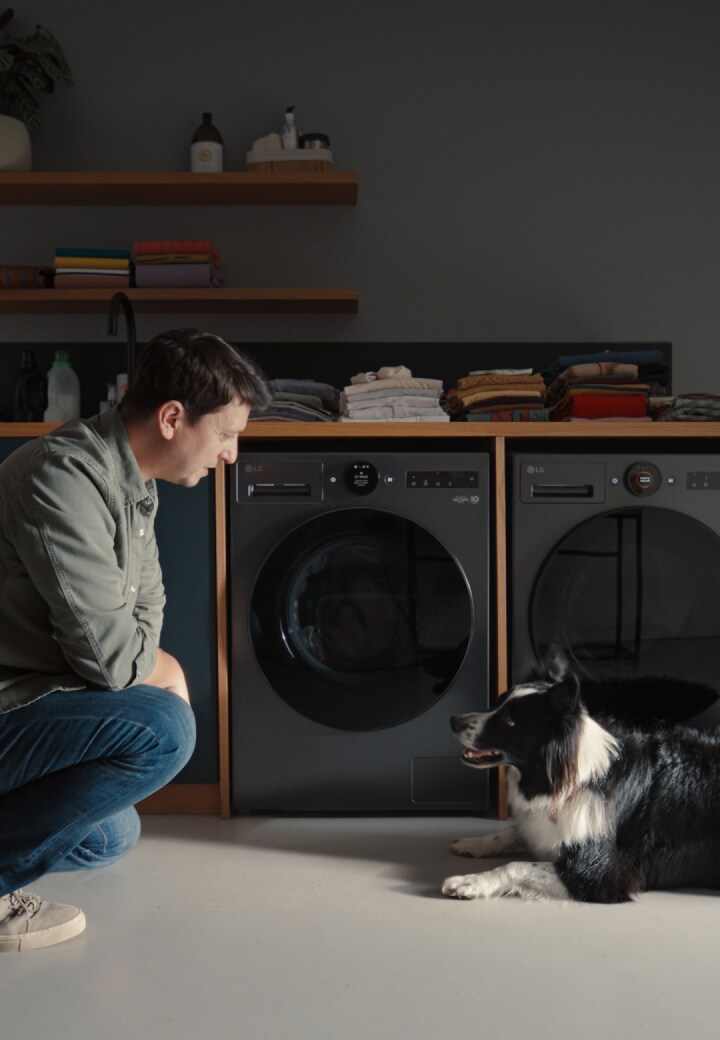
x,y
168,675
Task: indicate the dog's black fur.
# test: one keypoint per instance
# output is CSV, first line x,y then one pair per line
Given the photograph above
x,y
611,809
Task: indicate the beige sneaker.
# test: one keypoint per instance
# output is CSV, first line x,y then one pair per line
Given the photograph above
x,y
28,922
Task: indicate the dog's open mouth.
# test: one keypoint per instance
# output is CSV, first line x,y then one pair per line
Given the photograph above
x,y
484,759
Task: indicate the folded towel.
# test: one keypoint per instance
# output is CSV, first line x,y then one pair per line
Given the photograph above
x,y
178,245
106,263
92,281
414,418
116,254
405,382
22,276
382,373
185,276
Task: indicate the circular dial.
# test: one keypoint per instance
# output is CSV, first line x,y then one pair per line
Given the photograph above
x,y
644,478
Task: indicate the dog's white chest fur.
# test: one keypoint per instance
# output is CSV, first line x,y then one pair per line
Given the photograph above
x,y
545,824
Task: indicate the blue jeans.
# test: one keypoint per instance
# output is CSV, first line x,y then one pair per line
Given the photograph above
x,y
72,766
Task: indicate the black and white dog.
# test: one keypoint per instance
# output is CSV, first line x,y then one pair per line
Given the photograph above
x,y
606,808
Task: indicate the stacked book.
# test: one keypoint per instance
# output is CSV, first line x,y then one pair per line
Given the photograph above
x,y
177,263
77,268
498,395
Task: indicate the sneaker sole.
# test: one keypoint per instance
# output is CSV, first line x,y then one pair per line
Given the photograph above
x,y
46,937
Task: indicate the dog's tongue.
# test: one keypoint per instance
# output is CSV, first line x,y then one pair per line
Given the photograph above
x,y
475,755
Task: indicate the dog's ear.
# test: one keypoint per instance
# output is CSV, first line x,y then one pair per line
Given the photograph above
x,y
561,753
564,698
555,664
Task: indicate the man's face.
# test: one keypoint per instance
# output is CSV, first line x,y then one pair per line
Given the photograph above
x,y
196,449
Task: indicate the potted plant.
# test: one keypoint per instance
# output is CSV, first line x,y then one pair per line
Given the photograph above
x,y
28,64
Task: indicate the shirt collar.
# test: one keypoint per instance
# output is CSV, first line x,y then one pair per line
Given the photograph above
x,y
112,430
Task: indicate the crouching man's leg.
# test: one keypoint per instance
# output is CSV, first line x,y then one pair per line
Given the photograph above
x,y
72,765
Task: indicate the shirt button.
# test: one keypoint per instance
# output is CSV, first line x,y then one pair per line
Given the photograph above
x,y
132,588
141,532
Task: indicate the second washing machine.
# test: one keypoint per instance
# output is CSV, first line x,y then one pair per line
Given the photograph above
x,y
359,624
617,557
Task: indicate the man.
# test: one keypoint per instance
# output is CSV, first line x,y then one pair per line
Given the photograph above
x,y
94,715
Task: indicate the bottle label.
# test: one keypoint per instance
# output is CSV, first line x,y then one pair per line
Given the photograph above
x,y
206,157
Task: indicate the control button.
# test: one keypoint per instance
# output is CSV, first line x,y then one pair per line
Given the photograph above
x,y
672,481
614,481
389,478
644,478
361,478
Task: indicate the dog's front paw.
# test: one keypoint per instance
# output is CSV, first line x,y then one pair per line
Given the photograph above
x,y
465,886
474,847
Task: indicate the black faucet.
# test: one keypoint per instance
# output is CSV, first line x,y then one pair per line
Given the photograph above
x,y
121,300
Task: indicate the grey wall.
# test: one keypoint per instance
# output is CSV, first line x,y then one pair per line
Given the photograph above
x,y
529,169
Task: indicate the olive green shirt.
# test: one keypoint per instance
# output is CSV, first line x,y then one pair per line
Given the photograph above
x,y
81,593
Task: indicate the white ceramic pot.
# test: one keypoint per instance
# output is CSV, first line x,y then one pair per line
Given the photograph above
x,y
15,150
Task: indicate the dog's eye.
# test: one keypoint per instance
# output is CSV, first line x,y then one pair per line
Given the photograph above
x,y
509,720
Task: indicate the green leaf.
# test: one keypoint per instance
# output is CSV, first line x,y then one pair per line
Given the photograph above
x,y
29,109
6,59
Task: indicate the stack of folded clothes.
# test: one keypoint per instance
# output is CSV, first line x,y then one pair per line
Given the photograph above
x,y
392,394
606,386
79,268
692,408
498,395
23,276
177,264
300,400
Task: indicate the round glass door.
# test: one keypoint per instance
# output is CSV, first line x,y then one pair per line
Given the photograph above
x,y
360,619
633,592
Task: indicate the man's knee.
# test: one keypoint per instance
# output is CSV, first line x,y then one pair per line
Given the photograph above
x,y
171,719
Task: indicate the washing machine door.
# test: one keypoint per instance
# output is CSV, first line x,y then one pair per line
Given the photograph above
x,y
360,619
633,592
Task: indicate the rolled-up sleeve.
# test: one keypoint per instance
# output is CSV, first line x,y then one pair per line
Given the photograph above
x,y
71,534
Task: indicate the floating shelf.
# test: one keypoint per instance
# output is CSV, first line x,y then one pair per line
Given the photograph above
x,y
441,431
240,301
178,189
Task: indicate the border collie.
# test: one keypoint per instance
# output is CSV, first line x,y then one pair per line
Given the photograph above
x,y
606,809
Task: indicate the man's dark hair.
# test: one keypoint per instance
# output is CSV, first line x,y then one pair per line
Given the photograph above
x,y
199,370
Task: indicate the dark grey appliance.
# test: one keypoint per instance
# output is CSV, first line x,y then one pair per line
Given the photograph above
x,y
359,624
618,557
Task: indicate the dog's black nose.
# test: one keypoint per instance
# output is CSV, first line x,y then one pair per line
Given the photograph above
x,y
457,723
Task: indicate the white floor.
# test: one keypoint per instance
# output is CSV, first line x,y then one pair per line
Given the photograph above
x,y
334,929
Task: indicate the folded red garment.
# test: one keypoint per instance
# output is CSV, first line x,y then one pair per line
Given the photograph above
x,y
179,245
601,406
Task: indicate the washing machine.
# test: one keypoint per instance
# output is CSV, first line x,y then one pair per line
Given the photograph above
x,y
617,557
359,625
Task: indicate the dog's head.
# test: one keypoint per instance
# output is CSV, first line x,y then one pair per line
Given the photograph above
x,y
542,729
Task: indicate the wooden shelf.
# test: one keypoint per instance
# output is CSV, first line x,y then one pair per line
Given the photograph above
x,y
178,189
509,430
441,431
241,301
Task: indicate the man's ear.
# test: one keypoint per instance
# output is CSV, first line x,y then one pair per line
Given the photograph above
x,y
169,416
